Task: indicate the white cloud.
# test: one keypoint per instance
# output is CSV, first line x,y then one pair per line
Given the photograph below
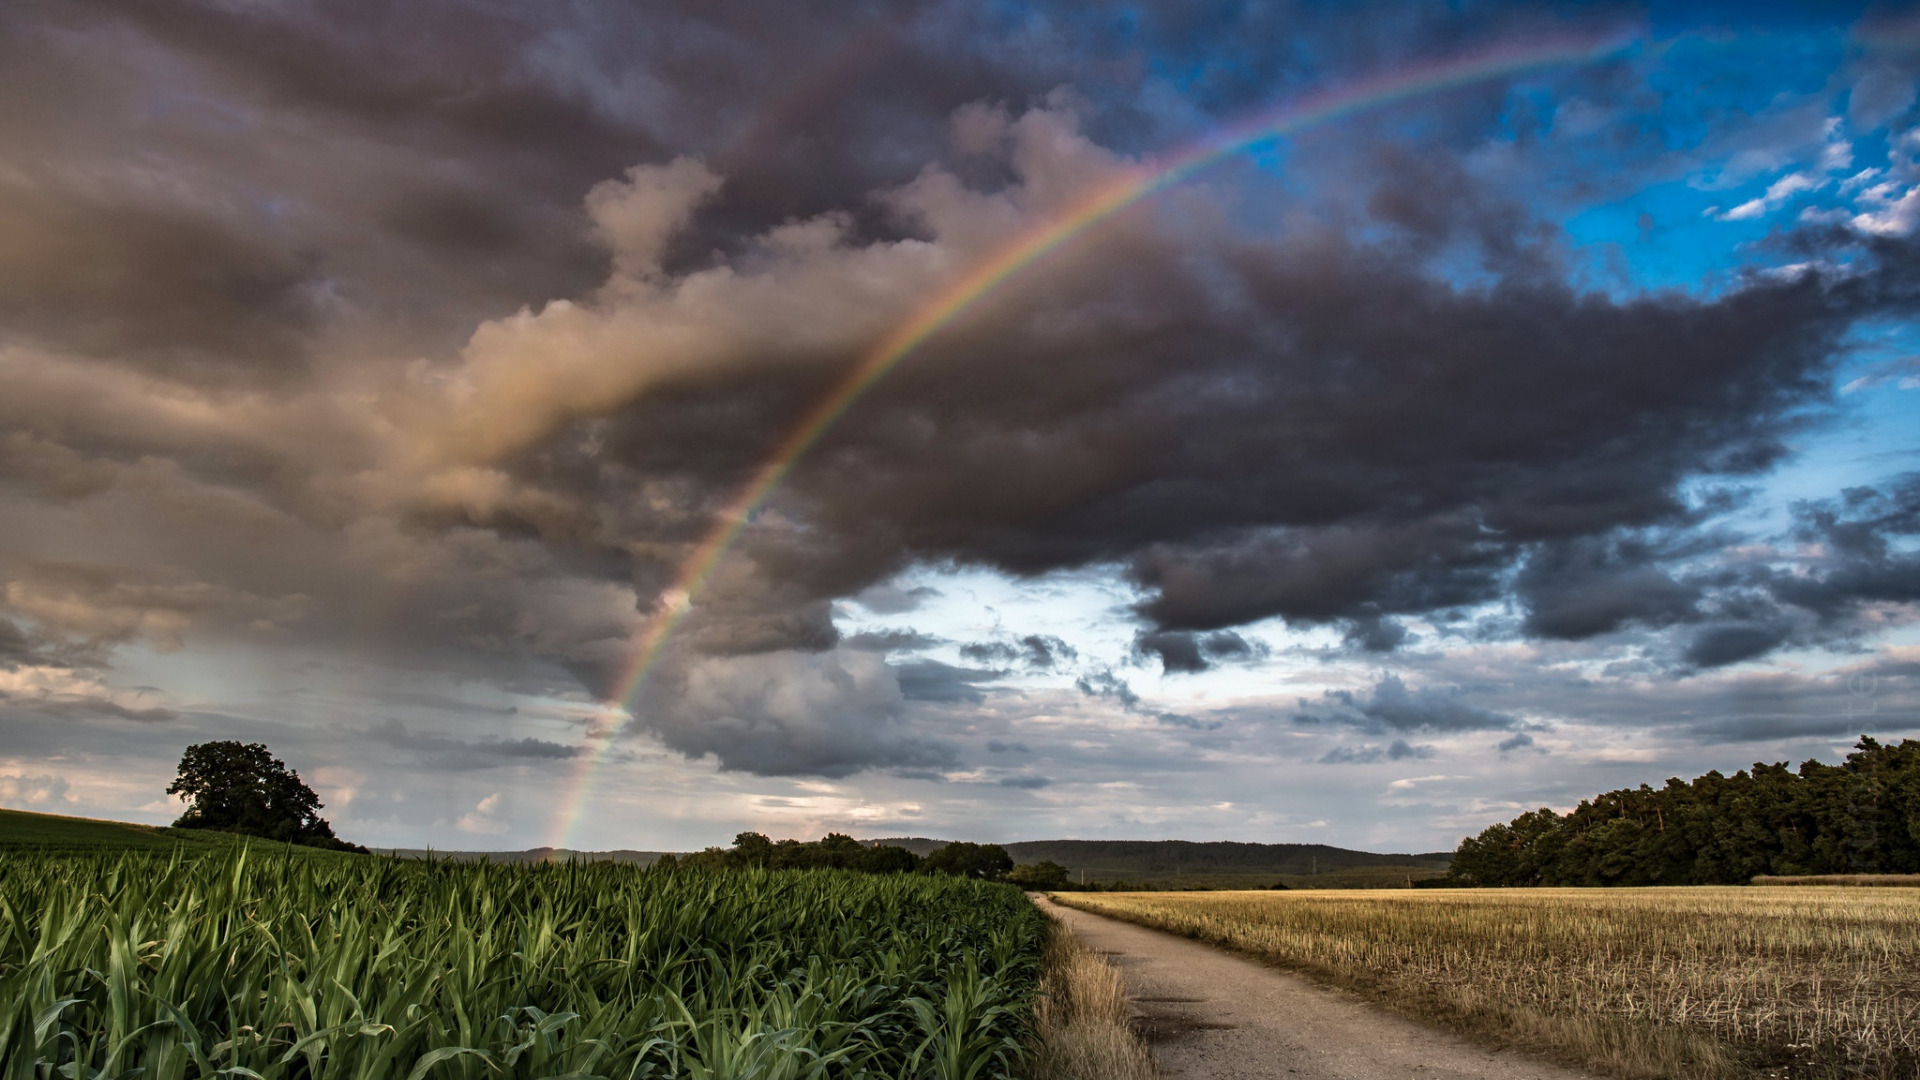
x,y
1777,193
1896,217
1858,180
480,820
23,792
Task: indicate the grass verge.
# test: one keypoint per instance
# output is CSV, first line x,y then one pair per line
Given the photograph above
x,y
1081,1027
1907,881
1707,983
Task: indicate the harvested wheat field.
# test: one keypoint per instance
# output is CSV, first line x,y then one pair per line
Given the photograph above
x,y
1687,982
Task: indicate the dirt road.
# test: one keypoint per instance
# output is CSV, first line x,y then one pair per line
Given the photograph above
x,y
1211,1015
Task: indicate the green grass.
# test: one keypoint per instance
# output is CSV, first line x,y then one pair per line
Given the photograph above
x,y
24,829
169,966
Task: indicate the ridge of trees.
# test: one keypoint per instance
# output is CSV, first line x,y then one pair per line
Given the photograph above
x,y
1153,857
837,851
1859,817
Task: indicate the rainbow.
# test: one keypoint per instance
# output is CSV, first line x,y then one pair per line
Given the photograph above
x,y
1022,252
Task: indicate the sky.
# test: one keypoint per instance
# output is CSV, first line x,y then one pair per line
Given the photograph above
x,y
621,425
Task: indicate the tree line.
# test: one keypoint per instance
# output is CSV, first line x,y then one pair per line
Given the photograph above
x,y
242,788
1859,817
838,851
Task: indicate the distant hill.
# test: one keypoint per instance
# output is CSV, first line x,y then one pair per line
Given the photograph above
x,y
27,829
1218,863
24,830
1163,858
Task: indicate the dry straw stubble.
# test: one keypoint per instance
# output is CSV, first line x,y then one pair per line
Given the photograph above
x,y
1081,1018
1706,983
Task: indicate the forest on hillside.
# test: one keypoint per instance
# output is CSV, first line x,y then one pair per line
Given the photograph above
x,y
1861,816
1160,857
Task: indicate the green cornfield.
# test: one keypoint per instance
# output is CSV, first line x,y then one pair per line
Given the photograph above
x,y
236,964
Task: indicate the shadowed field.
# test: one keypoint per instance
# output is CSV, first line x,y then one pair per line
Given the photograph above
x,y
1697,982
52,832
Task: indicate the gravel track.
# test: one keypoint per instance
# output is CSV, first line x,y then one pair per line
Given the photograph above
x,y
1212,1015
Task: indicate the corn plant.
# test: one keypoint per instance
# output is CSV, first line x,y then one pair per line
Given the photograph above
x,y
236,964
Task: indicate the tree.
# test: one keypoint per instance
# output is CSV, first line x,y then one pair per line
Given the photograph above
x,y
752,849
887,859
1045,874
989,862
243,788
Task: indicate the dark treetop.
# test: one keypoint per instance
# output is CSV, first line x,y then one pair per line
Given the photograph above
x,y
1858,817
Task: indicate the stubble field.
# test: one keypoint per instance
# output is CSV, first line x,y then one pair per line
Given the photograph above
x,y
1807,982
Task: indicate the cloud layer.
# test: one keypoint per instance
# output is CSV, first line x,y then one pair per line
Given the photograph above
x,y
443,334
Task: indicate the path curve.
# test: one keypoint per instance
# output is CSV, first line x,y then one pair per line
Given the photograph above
x,y
1212,1015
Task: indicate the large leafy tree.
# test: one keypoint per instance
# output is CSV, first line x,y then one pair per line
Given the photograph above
x,y
241,787
1045,874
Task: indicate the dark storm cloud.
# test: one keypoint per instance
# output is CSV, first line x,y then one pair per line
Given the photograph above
x,y
1859,562
990,652
24,646
1191,723
504,116
1046,651
1187,652
797,714
1730,643
14,643
88,708
888,599
1037,651
807,625
931,680
1105,684
1850,563
1371,633
441,703
1767,728
1397,750
1518,439
890,641
1391,706
445,751
260,268
184,289
1518,741
1876,694
256,178
1025,783
1585,586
